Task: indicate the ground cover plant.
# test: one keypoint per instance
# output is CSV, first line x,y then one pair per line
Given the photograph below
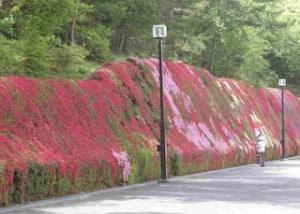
x,y
59,137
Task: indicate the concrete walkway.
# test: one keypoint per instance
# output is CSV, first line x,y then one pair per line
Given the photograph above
x,y
247,189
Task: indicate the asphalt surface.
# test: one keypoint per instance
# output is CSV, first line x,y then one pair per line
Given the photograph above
x,y
248,189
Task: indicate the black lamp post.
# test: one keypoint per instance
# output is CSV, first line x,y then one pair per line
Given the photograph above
x,y
160,32
282,84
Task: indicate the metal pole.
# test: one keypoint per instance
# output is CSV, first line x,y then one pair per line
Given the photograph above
x,y
163,146
282,124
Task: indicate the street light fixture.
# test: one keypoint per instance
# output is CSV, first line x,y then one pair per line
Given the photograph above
x,y
160,32
282,84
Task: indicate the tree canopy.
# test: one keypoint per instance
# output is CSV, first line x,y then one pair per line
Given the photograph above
x,y
257,41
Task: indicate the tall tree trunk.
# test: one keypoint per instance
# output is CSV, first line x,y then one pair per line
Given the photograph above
x,y
73,23
120,44
117,42
212,56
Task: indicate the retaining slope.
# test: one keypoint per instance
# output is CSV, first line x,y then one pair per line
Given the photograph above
x,y
63,136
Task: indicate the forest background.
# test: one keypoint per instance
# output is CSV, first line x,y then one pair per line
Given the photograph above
x,y
257,41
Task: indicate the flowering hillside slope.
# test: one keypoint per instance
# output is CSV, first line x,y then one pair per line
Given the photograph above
x,y
61,137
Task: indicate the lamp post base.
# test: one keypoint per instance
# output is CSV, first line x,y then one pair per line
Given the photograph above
x,y
163,181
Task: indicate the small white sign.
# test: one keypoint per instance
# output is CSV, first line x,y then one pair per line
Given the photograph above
x,y
159,31
282,82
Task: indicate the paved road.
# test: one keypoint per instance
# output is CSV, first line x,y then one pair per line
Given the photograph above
x,y
248,189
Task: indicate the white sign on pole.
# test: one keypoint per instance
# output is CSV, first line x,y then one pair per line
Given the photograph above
x,y
159,31
282,82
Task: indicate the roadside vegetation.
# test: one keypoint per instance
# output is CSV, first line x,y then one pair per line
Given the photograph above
x,y
257,41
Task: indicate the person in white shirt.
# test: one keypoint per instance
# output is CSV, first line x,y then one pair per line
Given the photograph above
x,y
260,147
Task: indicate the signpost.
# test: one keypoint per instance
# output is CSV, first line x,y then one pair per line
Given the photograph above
x,y
282,84
160,32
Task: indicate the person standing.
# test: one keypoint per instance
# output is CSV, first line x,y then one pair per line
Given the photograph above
x,y
260,147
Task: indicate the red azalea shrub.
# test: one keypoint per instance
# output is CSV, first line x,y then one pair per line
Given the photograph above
x,y
64,136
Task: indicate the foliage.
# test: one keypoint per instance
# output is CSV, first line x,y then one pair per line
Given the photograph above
x,y
96,42
35,54
65,58
11,57
225,37
176,163
63,136
251,40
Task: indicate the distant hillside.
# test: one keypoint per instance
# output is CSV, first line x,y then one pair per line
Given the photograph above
x,y
61,137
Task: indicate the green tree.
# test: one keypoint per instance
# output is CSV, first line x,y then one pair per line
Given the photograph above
x,y
252,40
131,22
64,59
224,36
91,33
11,57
